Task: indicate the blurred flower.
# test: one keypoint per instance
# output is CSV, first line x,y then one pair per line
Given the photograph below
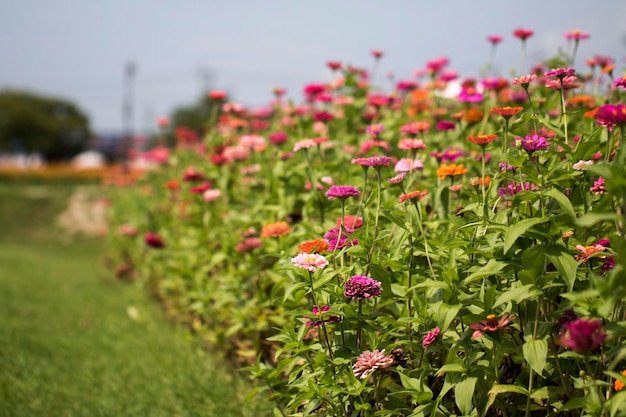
x,y
369,144
523,34
494,39
304,144
608,264
127,230
583,335
318,245
415,128
560,72
620,82
511,189
430,337
480,181
408,165
598,187
470,95
373,161
276,229
333,65
567,83
351,222
342,192
619,385
445,125
472,115
397,179
375,129
582,165
584,252
172,185
412,196
153,240
309,261
525,80
248,244
377,53
491,324
318,317
211,195
200,189
191,174
359,287
278,137
217,95
450,170
408,144
368,362
576,35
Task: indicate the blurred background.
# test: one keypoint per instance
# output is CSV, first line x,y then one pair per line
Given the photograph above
x,y
114,67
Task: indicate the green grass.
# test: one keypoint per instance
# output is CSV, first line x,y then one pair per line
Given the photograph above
x,y
74,342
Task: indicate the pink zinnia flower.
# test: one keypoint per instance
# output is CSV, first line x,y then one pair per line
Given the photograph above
x,y
524,80
445,125
342,192
415,128
211,195
369,361
576,35
408,144
560,72
430,337
369,144
199,189
309,261
567,83
375,129
408,165
532,143
397,179
248,244
583,335
582,165
494,39
611,114
304,144
377,53
620,82
278,137
598,187
359,287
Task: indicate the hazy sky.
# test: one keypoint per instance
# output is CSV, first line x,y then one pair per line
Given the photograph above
x,y
78,49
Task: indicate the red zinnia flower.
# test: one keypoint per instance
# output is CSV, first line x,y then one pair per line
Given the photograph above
x,y
494,39
217,95
482,140
523,34
506,111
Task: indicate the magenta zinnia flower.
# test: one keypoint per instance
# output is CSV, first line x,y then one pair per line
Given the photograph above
x,y
611,114
309,261
359,287
369,361
154,241
375,129
598,186
318,317
583,335
523,34
373,161
494,39
532,143
560,72
430,337
342,192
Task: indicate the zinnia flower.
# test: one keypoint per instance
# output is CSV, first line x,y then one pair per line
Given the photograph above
x,y
560,72
276,229
611,114
584,252
412,196
619,385
576,35
506,111
494,39
153,240
532,143
375,129
309,261
408,144
598,187
192,175
525,80
430,337
523,34
408,165
342,192
369,361
582,165
415,128
446,170
374,161
211,195
491,324
445,125
351,222
359,287
304,144
482,140
314,246
583,335
318,317
248,244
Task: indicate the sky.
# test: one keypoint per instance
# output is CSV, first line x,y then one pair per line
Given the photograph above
x,y
79,49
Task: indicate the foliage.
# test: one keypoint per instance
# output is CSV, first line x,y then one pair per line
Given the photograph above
x,y
499,262
31,123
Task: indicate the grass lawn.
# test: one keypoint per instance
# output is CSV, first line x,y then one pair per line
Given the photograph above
x,y
74,342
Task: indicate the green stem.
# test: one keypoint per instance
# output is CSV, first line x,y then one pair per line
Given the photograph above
x,y
421,227
563,111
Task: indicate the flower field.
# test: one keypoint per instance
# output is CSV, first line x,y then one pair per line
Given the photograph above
x,y
401,253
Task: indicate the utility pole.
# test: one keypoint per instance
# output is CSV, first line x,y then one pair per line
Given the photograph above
x,y
128,109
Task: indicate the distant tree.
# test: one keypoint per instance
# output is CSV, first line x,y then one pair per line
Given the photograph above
x,y
32,123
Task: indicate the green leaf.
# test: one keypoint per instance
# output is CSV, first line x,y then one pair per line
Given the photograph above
x,y
563,201
450,367
518,294
567,267
395,219
590,219
497,389
491,268
519,229
420,392
536,353
464,393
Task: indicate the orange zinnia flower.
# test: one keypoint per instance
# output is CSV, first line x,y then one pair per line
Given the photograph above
x,y
582,100
412,195
172,185
473,115
318,245
507,111
482,140
619,385
275,229
446,170
477,181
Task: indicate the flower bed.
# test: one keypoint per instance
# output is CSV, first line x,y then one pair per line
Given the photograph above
x,y
401,254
